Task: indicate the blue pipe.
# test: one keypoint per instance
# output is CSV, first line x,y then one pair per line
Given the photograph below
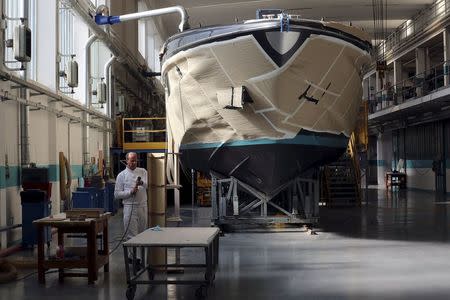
x,y
103,20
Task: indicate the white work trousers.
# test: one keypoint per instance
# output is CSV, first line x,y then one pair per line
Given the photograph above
x,y
134,219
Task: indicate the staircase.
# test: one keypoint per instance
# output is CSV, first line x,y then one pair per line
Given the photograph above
x,y
341,179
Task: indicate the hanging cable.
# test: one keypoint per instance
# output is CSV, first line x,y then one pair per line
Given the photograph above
x,y
379,12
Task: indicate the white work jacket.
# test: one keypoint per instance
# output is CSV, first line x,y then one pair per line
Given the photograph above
x,y
125,183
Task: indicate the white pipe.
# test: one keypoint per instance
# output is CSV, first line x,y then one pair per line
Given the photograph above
x,y
87,96
3,206
158,12
24,113
87,71
130,62
68,140
107,75
107,135
3,202
149,13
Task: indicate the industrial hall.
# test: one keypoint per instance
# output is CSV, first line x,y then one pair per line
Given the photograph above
x,y
242,149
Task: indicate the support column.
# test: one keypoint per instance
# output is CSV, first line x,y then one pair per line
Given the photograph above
x,y
176,175
371,94
446,39
55,141
384,156
156,201
398,86
420,70
427,61
398,69
378,89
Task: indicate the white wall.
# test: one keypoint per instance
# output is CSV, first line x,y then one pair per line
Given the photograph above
x,y
48,134
420,178
384,155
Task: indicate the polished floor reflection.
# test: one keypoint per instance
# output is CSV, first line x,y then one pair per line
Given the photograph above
x,y
394,247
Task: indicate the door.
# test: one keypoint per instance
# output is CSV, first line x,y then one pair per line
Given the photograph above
x,y
439,162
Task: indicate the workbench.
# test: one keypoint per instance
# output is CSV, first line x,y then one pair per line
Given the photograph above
x,y
170,237
92,259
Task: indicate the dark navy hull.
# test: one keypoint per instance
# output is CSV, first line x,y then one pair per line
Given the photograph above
x,y
265,164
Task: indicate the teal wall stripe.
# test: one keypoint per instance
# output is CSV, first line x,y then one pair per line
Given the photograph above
x,y
413,164
14,180
2,177
410,164
77,171
53,171
377,163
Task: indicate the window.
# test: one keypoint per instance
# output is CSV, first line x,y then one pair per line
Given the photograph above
x,y
66,43
15,12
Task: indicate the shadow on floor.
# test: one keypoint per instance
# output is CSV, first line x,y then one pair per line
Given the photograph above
x,y
392,215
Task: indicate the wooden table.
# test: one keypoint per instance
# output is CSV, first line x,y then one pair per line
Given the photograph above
x,y
94,258
395,179
171,237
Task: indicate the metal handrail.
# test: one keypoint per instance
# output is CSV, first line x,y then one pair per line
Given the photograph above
x,y
411,88
131,130
144,130
411,28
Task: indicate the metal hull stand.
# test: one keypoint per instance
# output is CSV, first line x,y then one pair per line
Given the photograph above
x,y
236,203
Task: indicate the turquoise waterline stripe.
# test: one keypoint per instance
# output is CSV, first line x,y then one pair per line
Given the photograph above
x,y
336,142
14,179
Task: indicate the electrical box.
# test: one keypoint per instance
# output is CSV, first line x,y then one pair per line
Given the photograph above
x,y
72,73
22,43
101,92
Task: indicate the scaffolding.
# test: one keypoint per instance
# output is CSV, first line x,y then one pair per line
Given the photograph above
x,y
236,203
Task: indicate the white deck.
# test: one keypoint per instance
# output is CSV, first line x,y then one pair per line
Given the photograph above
x,y
174,237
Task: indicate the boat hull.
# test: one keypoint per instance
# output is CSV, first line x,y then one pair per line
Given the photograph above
x,y
265,164
302,96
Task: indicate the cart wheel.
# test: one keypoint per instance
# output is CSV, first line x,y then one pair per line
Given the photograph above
x,y
131,290
201,292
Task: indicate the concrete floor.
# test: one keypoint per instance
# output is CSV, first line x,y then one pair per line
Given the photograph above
x,y
395,247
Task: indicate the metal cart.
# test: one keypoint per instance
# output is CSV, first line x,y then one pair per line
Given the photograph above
x,y
138,270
